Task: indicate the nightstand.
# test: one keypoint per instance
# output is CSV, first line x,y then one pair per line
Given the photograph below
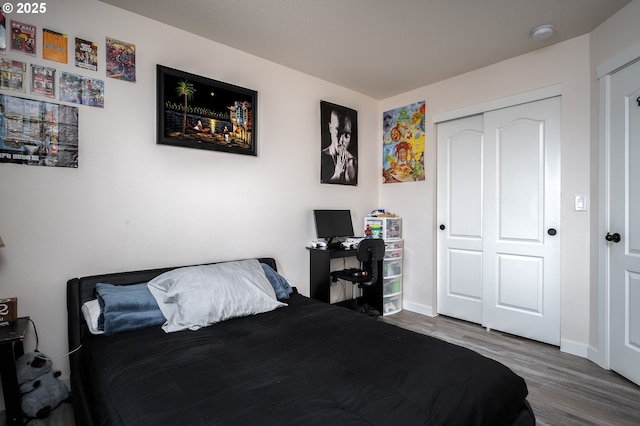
x,y
11,337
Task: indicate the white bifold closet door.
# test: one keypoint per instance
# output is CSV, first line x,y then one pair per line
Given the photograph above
x,y
499,216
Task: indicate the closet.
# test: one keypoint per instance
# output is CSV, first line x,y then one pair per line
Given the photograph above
x,y
498,212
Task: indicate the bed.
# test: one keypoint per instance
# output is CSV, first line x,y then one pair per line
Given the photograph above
x,y
306,363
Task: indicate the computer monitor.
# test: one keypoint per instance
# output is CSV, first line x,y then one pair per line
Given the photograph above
x,y
332,224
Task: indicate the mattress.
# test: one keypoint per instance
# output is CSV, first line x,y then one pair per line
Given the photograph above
x,y
307,363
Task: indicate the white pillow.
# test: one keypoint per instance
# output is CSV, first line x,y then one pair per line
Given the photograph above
x,y
198,296
91,312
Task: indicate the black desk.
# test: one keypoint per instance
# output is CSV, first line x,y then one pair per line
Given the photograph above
x,y
320,276
11,337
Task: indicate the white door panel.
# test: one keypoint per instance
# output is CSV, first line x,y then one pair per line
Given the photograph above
x,y
521,293
520,180
460,146
465,172
520,285
624,255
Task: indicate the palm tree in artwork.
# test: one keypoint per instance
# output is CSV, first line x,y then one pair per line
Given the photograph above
x,y
187,90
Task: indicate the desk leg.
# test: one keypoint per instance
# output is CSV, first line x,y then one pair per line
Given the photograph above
x,y
320,275
12,400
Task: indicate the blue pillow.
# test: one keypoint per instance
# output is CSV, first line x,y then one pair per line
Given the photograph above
x,y
280,285
127,307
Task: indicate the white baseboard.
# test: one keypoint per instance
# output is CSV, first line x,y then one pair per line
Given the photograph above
x,y
418,308
574,348
597,356
567,346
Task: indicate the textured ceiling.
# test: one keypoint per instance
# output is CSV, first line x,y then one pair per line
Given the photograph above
x,y
380,48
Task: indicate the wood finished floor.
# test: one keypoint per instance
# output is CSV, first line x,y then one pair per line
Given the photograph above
x,y
563,389
61,416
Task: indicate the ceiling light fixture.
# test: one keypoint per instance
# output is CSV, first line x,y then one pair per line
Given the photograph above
x,y
542,32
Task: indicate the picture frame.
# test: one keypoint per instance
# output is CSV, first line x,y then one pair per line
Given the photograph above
x,y
338,144
43,81
202,113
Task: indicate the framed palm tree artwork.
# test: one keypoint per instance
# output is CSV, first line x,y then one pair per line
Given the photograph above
x,y
198,112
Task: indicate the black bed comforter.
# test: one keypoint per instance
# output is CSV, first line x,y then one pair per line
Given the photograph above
x,y
309,363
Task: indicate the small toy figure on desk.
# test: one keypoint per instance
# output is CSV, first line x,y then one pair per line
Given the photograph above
x,y
367,232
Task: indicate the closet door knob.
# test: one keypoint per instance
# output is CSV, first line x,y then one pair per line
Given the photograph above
x,y
442,227
613,237
552,231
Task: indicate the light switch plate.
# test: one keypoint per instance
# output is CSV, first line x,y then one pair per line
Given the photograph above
x,y
581,203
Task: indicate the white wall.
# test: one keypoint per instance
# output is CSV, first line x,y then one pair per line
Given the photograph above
x,y
566,64
133,204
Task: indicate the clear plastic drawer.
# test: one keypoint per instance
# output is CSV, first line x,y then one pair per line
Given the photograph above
x,y
393,228
394,245
391,267
392,253
391,286
391,305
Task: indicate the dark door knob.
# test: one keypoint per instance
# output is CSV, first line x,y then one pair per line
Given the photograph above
x,y
615,237
442,227
552,231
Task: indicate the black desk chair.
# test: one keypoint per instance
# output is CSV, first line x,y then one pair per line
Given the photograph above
x,y
369,252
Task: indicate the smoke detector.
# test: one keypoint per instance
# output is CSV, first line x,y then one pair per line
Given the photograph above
x,y
542,32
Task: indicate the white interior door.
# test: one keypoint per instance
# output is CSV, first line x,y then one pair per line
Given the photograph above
x,y
460,148
521,275
624,225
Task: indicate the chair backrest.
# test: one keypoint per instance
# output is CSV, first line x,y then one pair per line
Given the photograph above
x,y
370,252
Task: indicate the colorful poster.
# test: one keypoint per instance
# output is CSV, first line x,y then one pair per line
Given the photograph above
x,y
38,133
82,90
55,46
403,144
13,75
43,80
3,34
86,54
23,38
121,60
93,92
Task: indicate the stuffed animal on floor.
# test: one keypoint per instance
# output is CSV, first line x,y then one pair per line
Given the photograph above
x,y
39,385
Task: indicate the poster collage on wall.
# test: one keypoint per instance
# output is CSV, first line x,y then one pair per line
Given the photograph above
x,y
46,133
